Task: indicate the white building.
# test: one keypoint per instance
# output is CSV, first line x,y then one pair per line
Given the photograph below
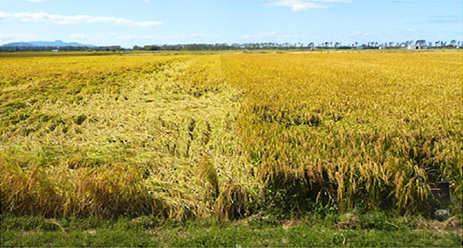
x,y
417,47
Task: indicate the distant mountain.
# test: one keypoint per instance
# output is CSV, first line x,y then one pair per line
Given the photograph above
x,y
17,44
56,43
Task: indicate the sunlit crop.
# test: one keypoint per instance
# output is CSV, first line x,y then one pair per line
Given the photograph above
x,y
374,128
225,135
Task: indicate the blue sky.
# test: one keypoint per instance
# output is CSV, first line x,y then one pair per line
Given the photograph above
x,y
142,22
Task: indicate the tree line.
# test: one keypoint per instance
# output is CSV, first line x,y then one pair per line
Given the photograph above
x,y
243,46
299,45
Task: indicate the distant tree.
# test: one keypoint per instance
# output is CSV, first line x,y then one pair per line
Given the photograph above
x,y
420,43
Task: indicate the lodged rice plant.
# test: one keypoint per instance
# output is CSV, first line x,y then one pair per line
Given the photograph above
x,y
117,135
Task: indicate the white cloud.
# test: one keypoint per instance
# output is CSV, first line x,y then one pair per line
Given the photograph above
x,y
297,5
280,37
74,19
51,0
77,36
161,38
17,36
89,37
4,15
259,36
136,37
179,36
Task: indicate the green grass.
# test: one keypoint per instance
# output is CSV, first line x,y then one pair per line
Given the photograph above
x,y
371,229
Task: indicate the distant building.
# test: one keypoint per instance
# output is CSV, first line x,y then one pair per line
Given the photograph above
x,y
54,50
419,44
415,47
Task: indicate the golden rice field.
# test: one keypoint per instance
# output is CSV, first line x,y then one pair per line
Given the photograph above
x,y
227,135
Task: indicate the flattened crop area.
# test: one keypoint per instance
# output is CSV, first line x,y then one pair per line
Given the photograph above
x,y
227,135
117,135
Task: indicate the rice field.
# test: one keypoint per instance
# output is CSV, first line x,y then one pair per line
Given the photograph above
x,y
227,135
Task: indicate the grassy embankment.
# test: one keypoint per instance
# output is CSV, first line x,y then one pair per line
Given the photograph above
x,y
368,230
